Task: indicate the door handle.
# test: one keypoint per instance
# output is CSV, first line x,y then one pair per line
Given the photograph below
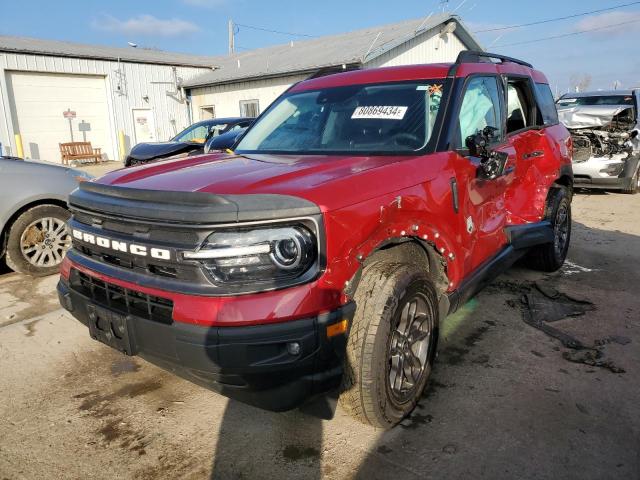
x,y
535,153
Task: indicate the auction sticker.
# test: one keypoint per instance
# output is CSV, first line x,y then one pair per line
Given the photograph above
x,y
384,112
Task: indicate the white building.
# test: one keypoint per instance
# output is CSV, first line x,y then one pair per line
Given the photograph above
x,y
246,83
51,91
110,90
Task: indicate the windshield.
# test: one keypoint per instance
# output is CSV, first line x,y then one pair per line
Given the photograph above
x,y
200,132
620,100
358,119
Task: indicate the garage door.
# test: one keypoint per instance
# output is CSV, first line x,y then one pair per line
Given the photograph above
x,y
38,103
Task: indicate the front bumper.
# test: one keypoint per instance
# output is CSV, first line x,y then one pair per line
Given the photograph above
x,y
252,364
589,174
615,183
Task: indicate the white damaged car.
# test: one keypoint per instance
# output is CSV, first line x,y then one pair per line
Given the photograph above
x,y
605,128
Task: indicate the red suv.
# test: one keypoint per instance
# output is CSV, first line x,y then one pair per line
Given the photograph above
x,y
357,213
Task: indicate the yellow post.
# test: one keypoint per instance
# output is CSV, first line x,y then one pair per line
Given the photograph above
x,y
122,145
19,147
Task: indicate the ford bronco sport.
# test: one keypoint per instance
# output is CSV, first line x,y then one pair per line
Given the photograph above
x,y
357,212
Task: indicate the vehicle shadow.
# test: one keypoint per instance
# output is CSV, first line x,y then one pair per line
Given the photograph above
x,y
504,401
256,444
3,267
253,443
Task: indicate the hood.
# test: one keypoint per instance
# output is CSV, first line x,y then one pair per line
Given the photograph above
x,y
592,116
149,151
40,166
327,181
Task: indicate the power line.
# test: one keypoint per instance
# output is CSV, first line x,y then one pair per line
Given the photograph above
x,y
556,19
262,29
579,32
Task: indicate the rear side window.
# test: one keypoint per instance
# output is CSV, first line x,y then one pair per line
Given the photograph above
x,y
481,107
546,104
520,105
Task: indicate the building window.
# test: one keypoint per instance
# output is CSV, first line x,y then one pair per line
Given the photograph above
x,y
207,112
249,108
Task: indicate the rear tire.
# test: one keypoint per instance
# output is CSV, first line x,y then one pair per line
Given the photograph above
x,y
391,345
38,240
549,257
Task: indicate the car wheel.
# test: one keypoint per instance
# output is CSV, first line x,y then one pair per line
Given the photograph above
x,y
38,240
391,345
549,257
634,186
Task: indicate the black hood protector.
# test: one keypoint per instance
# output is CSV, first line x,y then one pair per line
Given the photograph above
x,y
186,207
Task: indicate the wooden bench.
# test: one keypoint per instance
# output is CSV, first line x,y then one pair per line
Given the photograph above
x,y
79,151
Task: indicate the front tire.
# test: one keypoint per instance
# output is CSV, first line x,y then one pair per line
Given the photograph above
x,y
549,257
38,240
391,345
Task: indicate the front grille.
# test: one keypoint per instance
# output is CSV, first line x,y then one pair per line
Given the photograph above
x,y
158,233
122,300
130,262
581,148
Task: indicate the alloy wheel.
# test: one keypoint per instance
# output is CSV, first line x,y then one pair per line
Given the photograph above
x,y
409,348
45,241
561,229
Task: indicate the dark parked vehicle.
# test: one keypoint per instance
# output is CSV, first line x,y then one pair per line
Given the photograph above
x,y
190,141
353,217
223,142
33,213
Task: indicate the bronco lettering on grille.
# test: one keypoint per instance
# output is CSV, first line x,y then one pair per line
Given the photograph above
x,y
119,246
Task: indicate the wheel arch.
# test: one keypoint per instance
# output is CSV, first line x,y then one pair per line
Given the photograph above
x,y
565,179
405,250
4,234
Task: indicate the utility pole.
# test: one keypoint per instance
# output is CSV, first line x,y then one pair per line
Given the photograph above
x,y
231,39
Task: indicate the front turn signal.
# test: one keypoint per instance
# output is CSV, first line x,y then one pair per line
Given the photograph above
x,y
337,328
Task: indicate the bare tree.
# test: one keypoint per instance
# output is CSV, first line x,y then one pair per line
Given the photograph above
x,y
580,81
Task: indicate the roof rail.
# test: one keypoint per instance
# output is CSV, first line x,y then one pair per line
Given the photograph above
x,y
473,56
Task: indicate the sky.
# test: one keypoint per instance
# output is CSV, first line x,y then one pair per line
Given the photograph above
x,y
599,58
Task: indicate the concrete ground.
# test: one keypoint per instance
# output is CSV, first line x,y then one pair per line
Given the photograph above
x,y
99,169
504,400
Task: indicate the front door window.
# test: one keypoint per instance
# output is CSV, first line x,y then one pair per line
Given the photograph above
x,y
480,108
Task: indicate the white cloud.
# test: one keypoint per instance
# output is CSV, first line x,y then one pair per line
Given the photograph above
x,y
611,18
205,3
145,25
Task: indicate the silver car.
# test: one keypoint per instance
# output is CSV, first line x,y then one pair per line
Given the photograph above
x,y
604,126
33,214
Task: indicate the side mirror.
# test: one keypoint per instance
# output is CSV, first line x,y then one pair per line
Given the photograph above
x,y
492,163
478,143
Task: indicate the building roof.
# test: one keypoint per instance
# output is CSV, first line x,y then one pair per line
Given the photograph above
x,y
352,48
78,50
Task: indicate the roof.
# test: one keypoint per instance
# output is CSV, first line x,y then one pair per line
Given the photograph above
x,y
78,50
352,48
420,73
399,73
599,93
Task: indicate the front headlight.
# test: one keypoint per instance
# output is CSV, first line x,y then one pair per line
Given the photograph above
x,y
259,258
80,175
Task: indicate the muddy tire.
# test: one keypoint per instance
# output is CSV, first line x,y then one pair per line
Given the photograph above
x,y
38,240
392,343
551,256
634,186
